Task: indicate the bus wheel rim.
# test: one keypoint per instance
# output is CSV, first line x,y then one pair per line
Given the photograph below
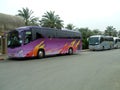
x,y
70,51
40,54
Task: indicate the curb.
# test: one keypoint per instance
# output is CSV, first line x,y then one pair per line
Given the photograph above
x,y
85,50
3,57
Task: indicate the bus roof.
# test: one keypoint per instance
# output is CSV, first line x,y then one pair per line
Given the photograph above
x,y
97,36
28,27
25,28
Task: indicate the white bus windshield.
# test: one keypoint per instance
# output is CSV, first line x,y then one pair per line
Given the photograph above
x,y
93,40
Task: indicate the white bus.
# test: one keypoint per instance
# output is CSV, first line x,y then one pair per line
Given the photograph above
x,y
116,42
101,42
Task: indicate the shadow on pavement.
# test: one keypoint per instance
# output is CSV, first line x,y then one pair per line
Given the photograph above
x,y
35,58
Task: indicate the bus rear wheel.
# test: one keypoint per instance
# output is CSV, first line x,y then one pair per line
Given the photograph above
x,y
41,54
70,51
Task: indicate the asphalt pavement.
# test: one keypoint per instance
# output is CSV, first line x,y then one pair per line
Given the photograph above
x,y
90,70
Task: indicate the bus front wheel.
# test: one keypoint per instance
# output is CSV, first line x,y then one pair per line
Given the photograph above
x,y
41,54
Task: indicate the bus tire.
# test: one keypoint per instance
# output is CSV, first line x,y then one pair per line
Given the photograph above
x,y
70,51
41,53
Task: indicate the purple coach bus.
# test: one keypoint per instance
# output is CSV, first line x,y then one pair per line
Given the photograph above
x,y
35,41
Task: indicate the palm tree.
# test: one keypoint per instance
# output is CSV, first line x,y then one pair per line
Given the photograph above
x,y
49,19
34,21
25,13
70,26
96,32
118,34
111,31
86,32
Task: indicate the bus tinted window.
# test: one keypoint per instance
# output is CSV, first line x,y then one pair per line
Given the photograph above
x,y
39,35
28,37
101,39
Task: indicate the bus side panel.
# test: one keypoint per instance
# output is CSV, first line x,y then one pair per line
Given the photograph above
x,y
51,46
61,46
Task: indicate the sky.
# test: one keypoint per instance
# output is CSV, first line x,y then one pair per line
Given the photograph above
x,y
92,14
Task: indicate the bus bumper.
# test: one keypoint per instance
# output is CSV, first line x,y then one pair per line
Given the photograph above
x,y
95,47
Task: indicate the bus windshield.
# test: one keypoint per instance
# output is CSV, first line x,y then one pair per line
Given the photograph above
x,y
93,40
13,39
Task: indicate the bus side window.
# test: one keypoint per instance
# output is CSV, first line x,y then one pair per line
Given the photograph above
x,y
38,35
115,41
28,37
118,40
101,40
